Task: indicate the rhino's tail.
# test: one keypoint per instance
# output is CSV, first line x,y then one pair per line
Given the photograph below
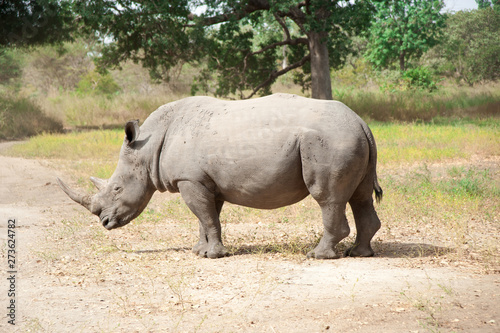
x,y
373,162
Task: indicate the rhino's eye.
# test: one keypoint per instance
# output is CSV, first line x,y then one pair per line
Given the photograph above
x,y
117,189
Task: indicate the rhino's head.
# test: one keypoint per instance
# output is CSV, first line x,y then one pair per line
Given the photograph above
x,y
124,196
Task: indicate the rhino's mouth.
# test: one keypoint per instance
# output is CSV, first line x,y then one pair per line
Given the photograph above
x,y
109,223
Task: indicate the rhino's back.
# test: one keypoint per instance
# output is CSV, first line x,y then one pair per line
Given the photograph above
x,y
202,115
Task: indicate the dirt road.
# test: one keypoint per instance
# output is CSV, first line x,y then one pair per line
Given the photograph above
x,y
169,289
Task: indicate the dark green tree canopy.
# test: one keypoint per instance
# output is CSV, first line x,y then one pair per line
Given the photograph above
x,y
34,22
483,4
403,29
222,34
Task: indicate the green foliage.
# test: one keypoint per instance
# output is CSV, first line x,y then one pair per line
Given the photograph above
x,y
483,4
96,83
20,117
403,29
10,66
471,46
221,35
417,78
35,22
421,78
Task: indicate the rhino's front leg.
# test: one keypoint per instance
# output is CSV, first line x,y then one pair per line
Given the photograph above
x,y
203,204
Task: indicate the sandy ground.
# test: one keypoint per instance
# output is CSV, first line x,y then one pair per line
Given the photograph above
x,y
242,293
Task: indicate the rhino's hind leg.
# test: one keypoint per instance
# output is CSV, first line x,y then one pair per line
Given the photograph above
x,y
367,224
336,229
203,204
202,243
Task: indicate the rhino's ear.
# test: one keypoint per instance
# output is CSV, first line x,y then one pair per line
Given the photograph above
x,y
132,131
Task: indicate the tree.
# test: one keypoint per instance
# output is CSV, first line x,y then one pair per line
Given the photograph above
x,y
404,29
34,22
483,4
221,34
471,45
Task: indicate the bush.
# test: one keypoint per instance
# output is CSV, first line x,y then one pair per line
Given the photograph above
x,y
20,117
10,66
99,84
58,67
420,77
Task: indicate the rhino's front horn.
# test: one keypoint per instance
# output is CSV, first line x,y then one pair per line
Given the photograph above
x,y
84,200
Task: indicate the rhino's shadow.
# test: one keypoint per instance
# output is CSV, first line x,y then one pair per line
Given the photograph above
x,y
409,250
170,249
382,249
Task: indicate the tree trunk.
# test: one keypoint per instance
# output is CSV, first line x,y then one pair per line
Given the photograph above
x,y
402,61
321,84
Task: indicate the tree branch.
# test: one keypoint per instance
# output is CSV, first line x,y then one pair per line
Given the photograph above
x,y
283,25
296,14
285,42
274,45
275,74
252,6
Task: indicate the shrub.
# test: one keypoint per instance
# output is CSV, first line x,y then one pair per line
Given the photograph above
x,y
10,66
96,83
21,117
55,67
420,77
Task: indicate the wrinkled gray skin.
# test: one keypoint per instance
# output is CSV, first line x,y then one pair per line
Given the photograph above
x,y
262,153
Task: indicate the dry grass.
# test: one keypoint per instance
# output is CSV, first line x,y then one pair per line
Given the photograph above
x,y
22,117
100,111
417,105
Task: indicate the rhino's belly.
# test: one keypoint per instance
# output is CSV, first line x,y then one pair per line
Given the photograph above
x,y
265,198
261,183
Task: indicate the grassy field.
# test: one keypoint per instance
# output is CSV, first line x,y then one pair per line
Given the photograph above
x,y
441,184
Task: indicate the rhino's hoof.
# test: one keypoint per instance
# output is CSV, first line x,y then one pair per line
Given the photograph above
x,y
359,251
199,248
217,251
322,254
206,251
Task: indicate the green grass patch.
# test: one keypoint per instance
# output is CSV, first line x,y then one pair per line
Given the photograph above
x,y
94,145
413,142
456,183
81,154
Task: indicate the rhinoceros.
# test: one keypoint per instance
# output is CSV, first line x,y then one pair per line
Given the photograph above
x,y
262,153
